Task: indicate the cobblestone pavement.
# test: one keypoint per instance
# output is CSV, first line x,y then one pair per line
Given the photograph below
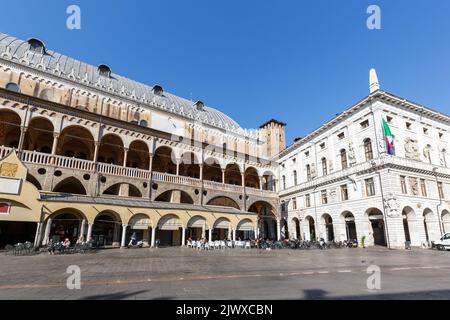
x,y
183,273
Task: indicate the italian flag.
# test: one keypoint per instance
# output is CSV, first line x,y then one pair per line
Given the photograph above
x,y
389,138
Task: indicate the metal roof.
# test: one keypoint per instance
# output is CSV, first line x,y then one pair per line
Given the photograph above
x,y
56,64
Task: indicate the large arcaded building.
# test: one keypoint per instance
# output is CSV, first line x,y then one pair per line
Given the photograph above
x,y
86,152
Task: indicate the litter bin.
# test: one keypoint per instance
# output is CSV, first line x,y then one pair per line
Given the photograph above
x,y
408,245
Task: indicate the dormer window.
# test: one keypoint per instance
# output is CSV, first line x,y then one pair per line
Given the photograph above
x,y
158,90
104,70
36,45
200,106
12,87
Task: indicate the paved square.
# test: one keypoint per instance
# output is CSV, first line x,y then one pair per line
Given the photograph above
x,y
183,273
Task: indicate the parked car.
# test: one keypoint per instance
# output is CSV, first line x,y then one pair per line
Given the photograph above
x,y
443,243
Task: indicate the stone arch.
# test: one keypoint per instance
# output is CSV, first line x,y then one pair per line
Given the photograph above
x,y
123,189
326,223
377,229
34,181
445,216
10,123
221,229
169,230
233,174
350,225
70,185
431,226
189,165
111,149
106,229
76,141
65,223
251,178
409,227
267,219
39,136
212,171
164,160
268,180
297,234
138,155
223,201
175,196
310,228
196,228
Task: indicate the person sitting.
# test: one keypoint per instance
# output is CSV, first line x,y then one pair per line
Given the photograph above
x,y
66,243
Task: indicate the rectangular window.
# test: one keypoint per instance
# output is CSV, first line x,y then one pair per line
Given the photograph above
x,y
370,187
425,131
344,192
403,184
408,125
389,119
307,201
423,187
364,124
324,197
341,136
322,145
441,190
294,203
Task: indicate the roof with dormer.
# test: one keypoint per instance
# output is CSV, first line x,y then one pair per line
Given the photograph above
x,y
56,64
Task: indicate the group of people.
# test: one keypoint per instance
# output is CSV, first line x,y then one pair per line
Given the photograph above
x,y
205,244
65,244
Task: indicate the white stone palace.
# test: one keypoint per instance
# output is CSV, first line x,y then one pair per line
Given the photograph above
x,y
339,182
86,153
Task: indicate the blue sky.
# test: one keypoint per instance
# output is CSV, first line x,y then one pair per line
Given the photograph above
x,y
300,62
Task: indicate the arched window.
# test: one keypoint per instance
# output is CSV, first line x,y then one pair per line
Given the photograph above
x,y
344,162
283,179
295,177
12,87
200,106
308,172
368,149
104,70
158,90
36,45
324,166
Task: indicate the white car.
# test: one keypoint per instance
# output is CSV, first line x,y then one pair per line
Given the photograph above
x,y
443,243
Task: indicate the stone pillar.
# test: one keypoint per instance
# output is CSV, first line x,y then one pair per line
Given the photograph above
x,y
203,230
223,176
124,234
210,234
150,162
83,228
243,179
261,178
23,131
278,229
38,234
153,237
234,234
201,171
55,144
96,145
178,166
47,231
89,231
125,156
183,236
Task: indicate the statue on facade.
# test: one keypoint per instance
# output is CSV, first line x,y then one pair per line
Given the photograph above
x,y
411,149
313,171
330,165
413,184
392,206
442,156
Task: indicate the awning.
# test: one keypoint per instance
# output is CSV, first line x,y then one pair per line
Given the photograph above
x,y
169,223
196,222
140,222
222,224
245,225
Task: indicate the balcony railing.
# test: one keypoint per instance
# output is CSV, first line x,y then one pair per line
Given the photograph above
x,y
34,157
171,178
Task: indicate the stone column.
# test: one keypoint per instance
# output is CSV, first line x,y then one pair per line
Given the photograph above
x,y
183,236
210,234
243,179
47,231
23,131
234,234
150,162
125,156
223,176
83,228
178,166
201,171
124,234
278,229
153,237
55,144
261,182
96,145
89,231
203,230
38,234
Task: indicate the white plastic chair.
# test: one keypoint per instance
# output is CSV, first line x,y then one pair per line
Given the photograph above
x,y
222,244
217,244
247,245
199,245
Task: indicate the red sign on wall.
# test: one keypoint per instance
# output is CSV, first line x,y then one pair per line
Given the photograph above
x,y
4,207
